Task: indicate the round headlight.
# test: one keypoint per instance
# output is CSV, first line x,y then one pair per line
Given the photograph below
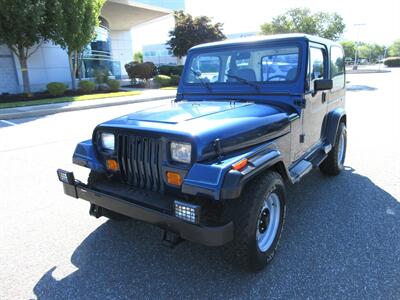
x,y
108,141
181,152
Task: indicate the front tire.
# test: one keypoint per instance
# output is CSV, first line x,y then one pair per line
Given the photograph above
x,y
258,218
334,163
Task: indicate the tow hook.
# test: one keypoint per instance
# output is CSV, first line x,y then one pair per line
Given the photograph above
x,y
171,239
95,211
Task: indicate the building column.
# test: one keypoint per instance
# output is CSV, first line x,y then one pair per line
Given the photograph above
x,y
121,48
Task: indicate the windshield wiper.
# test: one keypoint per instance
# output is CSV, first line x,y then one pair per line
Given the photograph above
x,y
198,76
245,81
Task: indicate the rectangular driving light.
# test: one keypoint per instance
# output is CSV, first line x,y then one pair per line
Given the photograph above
x,y
65,176
188,212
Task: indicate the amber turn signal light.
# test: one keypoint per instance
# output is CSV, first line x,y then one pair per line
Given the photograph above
x,y
174,178
240,164
112,165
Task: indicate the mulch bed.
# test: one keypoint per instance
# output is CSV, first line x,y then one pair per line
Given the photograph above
x,y
9,98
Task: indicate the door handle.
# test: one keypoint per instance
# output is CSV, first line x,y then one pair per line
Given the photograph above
x,y
323,97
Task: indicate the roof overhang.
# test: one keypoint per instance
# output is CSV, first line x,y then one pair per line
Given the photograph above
x,y
125,14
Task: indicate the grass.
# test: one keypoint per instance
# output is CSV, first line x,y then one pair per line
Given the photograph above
x,y
167,88
68,99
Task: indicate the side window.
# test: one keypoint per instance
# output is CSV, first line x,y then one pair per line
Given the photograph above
x,y
316,69
337,67
281,66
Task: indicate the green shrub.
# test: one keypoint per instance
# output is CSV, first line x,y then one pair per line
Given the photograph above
x,y
175,79
163,80
143,71
113,85
392,62
86,86
170,70
101,76
56,88
138,57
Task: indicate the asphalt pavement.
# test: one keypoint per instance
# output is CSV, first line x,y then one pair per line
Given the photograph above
x,y
341,239
25,112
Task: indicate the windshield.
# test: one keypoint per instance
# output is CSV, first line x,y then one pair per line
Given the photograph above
x,y
267,64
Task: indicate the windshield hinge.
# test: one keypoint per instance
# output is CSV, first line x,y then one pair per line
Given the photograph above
x,y
218,149
301,102
179,97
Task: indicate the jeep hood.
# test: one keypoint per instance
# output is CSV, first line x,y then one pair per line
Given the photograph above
x,y
236,124
184,111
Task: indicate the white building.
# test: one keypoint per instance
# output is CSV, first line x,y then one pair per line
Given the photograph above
x,y
112,49
159,54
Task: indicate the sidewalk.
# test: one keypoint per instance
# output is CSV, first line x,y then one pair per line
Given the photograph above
x,y
365,69
47,109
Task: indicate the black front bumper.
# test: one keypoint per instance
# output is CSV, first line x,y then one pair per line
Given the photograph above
x,y
206,235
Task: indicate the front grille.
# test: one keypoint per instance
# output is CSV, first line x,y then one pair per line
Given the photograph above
x,y
140,161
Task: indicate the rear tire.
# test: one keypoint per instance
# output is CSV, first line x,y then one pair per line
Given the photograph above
x,y
334,163
95,177
258,218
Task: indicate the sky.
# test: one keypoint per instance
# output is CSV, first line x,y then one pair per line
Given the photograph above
x,y
380,19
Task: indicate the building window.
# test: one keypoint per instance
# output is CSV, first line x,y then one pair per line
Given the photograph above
x,y
101,46
97,55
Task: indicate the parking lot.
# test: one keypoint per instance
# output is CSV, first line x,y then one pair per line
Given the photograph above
x,y
341,239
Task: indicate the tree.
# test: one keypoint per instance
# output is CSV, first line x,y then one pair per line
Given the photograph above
x,y
76,29
138,56
326,25
349,48
24,25
363,51
370,51
189,32
394,49
376,51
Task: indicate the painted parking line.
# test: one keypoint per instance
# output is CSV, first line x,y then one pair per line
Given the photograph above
x,y
8,122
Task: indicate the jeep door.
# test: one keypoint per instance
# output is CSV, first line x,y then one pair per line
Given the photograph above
x,y
315,101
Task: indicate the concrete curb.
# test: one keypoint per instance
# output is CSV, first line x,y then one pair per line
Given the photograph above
x,y
52,111
366,71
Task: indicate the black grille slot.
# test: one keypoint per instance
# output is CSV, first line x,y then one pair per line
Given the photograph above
x,y
139,160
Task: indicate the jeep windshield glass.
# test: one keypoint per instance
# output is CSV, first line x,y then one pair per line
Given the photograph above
x,y
240,79
203,81
246,66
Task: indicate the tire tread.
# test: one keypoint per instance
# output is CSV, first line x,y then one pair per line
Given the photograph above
x,y
241,250
330,165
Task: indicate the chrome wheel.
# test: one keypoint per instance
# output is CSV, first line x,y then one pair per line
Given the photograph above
x,y
341,149
268,222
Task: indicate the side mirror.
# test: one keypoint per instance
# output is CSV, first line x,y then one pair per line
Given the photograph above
x,y
323,84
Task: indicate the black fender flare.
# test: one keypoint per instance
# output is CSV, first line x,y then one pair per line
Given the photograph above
x,y
333,120
235,181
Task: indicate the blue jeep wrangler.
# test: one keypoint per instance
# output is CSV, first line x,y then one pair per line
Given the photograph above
x,y
250,116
